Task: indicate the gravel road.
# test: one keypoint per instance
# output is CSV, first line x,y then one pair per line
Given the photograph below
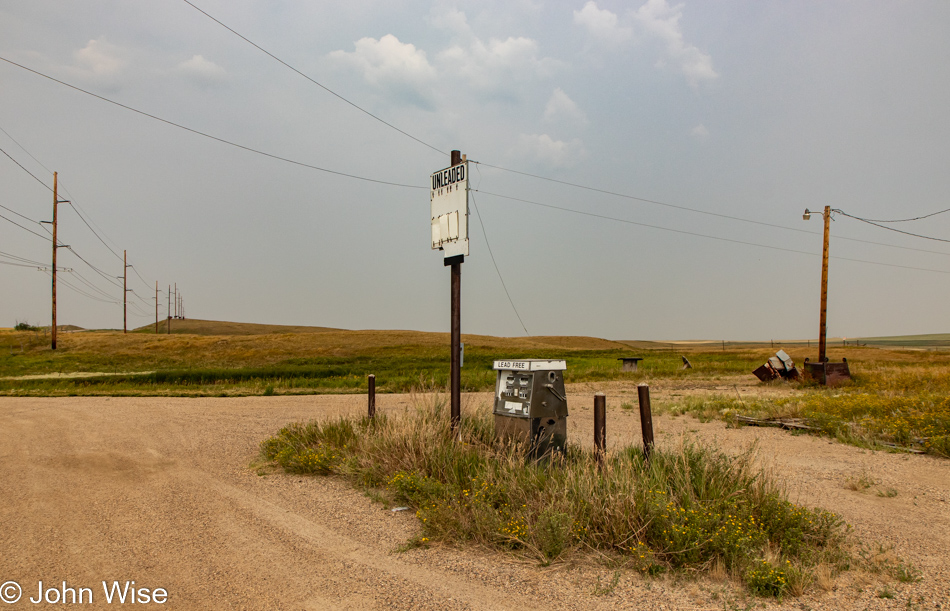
x,y
159,491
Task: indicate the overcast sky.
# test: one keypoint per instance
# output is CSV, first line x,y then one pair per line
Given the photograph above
x,y
753,110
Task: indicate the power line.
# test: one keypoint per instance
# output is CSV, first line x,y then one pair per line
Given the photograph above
x,y
80,291
702,235
92,286
320,85
498,271
876,224
76,210
696,210
19,215
24,150
106,276
23,168
25,228
20,264
916,218
75,205
209,136
21,259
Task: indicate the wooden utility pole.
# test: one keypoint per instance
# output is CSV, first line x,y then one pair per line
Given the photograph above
x,y
456,367
125,292
823,318
176,300
55,206
168,321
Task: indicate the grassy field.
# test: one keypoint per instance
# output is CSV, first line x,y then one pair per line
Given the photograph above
x,y
896,400
315,361
897,397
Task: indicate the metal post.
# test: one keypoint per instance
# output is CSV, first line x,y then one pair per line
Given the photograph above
x,y
646,419
456,366
600,426
55,206
456,340
371,408
823,321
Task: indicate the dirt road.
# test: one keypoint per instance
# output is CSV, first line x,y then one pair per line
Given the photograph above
x,y
158,491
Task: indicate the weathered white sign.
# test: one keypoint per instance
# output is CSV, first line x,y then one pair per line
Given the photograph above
x,y
449,202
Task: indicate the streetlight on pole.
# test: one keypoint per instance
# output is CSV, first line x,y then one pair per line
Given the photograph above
x,y
822,367
823,317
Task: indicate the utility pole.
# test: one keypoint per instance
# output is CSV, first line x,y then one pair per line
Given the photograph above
x,y
823,314
456,367
56,245
125,292
176,300
823,319
55,207
168,321
156,307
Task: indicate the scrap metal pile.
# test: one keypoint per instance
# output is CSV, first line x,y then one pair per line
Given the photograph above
x,y
778,366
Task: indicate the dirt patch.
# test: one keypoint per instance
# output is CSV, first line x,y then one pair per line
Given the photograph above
x,y
159,491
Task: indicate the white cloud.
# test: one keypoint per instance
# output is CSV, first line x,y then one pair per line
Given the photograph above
x,y
450,19
602,24
201,69
497,64
561,108
100,58
700,132
542,148
662,20
391,64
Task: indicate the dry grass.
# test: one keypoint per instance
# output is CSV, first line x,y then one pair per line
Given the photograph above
x,y
686,510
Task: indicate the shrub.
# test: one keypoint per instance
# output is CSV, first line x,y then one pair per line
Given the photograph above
x,y
687,509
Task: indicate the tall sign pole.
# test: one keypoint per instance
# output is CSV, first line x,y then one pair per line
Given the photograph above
x,y
449,217
823,318
456,369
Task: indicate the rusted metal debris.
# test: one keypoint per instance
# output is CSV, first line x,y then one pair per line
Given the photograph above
x,y
778,366
827,373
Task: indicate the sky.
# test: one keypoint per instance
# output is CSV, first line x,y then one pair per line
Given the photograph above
x,y
642,167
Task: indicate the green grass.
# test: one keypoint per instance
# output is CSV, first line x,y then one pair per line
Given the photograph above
x,y
684,511
896,406
201,366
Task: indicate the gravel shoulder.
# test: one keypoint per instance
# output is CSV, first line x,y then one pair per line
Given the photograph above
x,y
160,491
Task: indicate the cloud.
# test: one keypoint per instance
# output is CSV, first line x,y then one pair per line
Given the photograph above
x,y
450,19
202,70
561,108
602,24
390,64
541,148
662,21
497,65
700,132
100,59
